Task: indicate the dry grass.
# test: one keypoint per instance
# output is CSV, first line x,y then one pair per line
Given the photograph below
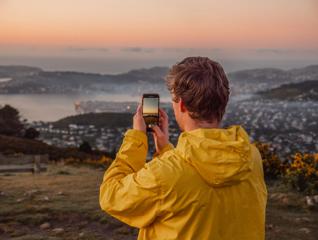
x,y
67,197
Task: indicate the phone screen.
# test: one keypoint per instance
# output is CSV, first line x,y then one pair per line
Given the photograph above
x,y
150,110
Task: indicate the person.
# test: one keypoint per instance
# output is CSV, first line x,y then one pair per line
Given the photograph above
x,y
210,186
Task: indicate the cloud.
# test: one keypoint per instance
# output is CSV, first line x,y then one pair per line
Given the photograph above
x,y
192,50
79,49
274,51
138,49
283,51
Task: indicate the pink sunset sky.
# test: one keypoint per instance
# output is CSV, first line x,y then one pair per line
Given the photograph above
x,y
233,27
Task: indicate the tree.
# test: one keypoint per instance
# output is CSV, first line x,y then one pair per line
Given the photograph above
x,y
85,147
113,153
31,133
10,123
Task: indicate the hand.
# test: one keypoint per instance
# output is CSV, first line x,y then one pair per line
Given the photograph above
x,y
138,120
161,132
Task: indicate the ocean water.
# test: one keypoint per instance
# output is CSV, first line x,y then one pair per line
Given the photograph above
x,y
52,107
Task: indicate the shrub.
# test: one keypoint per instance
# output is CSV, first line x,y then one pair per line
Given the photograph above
x,y
31,133
85,147
302,173
10,123
273,167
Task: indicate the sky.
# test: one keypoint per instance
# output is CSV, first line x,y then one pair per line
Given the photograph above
x,y
157,30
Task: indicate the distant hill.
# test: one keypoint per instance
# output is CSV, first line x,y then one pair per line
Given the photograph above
x,y
275,74
255,80
12,71
99,120
34,80
26,80
307,90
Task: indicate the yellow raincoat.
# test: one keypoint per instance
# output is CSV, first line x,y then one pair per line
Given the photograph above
x,y
211,186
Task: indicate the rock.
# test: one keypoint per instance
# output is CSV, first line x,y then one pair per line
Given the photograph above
x,y
270,226
309,201
58,230
46,198
2,194
315,197
60,193
285,200
20,200
278,196
31,192
305,230
306,219
302,220
45,225
282,196
273,195
81,235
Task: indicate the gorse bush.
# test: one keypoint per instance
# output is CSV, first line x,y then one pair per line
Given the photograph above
x,y
302,173
273,167
299,171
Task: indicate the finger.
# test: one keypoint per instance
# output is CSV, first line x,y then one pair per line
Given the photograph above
x,y
154,139
163,120
139,110
154,136
157,130
163,113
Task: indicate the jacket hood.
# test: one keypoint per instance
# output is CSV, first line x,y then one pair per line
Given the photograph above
x,y
222,156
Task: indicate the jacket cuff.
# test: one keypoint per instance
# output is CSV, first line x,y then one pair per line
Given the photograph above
x,y
138,135
166,148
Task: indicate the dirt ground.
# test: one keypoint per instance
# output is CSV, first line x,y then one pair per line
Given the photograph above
x,y
63,204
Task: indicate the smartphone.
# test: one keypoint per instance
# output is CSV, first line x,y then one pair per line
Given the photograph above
x,y
150,109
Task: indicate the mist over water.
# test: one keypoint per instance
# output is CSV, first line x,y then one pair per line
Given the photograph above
x,y
116,61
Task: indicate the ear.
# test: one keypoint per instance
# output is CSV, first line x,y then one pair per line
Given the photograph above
x,y
182,107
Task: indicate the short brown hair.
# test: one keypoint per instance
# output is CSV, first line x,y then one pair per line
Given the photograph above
x,y
202,85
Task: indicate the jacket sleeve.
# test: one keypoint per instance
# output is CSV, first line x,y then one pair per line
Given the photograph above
x,y
166,148
130,191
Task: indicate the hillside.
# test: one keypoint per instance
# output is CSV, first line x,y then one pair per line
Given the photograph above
x,y
256,80
307,90
63,204
14,145
99,120
34,80
13,71
275,74
26,80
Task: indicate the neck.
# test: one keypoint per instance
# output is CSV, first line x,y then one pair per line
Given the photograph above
x,y
192,125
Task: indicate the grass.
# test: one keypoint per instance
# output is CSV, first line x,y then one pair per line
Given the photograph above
x,y
68,201
67,197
